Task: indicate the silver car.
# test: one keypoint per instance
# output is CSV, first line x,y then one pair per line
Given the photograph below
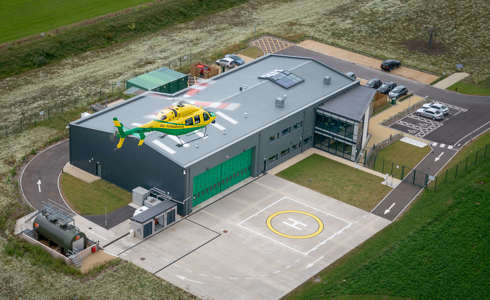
x,y
439,106
430,113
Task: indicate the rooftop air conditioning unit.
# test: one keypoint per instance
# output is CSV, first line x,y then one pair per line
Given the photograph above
x,y
327,80
280,102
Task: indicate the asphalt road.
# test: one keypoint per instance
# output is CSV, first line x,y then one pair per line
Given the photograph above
x,y
405,192
453,130
45,167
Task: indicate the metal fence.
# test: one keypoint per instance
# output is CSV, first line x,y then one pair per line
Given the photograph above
x,y
105,94
464,166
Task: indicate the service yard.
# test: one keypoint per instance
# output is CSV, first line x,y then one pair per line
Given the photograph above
x,y
258,242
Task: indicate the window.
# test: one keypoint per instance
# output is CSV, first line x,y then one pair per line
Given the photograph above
x,y
307,140
197,119
283,78
272,138
284,152
273,157
163,117
286,131
205,116
189,122
294,147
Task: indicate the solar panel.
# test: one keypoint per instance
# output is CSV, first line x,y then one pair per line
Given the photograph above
x,y
283,78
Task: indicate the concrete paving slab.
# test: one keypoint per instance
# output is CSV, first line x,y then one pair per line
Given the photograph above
x,y
450,80
168,245
247,260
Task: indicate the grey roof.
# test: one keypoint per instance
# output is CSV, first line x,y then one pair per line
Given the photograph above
x,y
239,113
153,211
351,104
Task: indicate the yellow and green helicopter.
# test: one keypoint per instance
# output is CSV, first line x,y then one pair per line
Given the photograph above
x,y
175,120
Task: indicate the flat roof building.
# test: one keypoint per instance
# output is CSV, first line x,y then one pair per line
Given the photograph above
x,y
267,111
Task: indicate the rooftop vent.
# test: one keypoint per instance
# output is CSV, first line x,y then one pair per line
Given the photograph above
x,y
280,102
327,80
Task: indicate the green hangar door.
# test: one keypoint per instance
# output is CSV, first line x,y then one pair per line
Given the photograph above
x,y
221,177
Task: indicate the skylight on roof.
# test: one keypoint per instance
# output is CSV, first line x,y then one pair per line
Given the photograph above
x,y
283,78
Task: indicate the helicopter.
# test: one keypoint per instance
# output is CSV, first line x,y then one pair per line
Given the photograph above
x,y
174,120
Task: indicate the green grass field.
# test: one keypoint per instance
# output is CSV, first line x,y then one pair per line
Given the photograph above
x,y
467,86
93,198
21,18
338,181
400,154
438,250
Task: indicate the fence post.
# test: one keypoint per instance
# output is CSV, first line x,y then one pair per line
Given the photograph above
x,y
445,179
476,157
413,178
466,164
403,172
426,180
392,163
456,172
485,153
365,157
435,184
383,168
374,164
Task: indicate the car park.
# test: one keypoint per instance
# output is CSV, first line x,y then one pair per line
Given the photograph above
x,y
386,87
439,106
430,113
397,92
351,75
374,83
237,59
226,62
390,64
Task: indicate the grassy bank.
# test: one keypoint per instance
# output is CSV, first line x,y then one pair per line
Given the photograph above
x,y
337,180
93,198
398,154
144,20
468,86
21,18
438,250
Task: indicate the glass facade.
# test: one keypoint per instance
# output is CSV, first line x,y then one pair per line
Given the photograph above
x,y
331,145
334,125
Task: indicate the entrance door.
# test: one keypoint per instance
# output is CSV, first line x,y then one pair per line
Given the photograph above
x,y
98,169
147,229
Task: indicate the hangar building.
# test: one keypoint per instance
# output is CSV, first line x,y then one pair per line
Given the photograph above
x,y
267,111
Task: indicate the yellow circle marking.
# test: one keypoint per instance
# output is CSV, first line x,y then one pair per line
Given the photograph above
x,y
317,232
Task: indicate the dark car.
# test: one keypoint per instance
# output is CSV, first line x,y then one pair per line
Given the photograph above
x,y
390,64
386,87
397,92
237,59
374,83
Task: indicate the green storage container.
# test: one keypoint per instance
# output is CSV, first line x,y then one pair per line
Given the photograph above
x,y
163,80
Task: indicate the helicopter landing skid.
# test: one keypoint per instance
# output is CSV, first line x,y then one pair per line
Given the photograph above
x,y
182,142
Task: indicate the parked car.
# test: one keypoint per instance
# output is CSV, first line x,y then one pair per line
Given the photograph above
x,y
430,113
237,59
386,87
226,62
351,75
390,64
439,106
397,92
374,83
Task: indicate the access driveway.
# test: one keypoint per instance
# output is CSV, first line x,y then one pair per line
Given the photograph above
x,y
259,242
454,130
